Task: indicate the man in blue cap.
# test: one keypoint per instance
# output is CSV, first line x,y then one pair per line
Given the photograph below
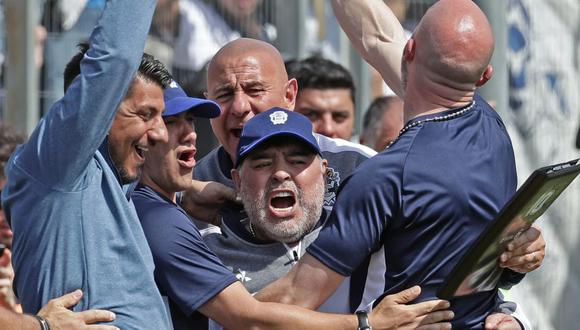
x,y
188,274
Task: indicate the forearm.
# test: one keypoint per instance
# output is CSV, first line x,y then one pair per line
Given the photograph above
x,y
85,113
235,308
11,320
279,316
308,284
376,34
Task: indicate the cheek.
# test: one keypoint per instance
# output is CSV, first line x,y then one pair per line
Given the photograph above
x,y
218,125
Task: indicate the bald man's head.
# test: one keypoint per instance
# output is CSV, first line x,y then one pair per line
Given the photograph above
x,y
454,42
246,77
257,51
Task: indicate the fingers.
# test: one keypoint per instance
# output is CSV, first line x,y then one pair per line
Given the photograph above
x,y
6,258
527,237
437,326
68,300
500,321
405,296
492,321
436,317
431,306
526,253
96,315
525,263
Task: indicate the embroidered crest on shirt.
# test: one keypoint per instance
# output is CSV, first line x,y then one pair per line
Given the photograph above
x,y
278,117
332,183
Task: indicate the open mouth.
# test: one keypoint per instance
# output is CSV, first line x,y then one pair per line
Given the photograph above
x,y
186,158
282,203
237,132
141,151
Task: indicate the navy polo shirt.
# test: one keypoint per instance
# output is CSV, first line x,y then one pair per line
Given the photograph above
x,y
425,200
187,273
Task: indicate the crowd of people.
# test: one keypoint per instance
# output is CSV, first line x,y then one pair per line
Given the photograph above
x,y
287,224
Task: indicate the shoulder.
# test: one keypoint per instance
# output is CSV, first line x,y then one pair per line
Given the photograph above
x,y
158,216
213,166
340,146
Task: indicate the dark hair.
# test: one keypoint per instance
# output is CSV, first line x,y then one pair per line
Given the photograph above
x,y
319,73
374,114
9,140
150,69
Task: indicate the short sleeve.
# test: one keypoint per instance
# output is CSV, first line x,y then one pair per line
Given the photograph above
x,y
366,203
185,269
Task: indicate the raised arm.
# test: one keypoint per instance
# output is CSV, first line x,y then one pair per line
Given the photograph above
x,y
377,35
69,135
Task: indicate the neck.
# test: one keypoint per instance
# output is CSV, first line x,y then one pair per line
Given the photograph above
x,y
147,181
424,101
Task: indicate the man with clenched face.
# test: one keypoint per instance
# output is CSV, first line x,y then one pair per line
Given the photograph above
x,y
281,183
282,187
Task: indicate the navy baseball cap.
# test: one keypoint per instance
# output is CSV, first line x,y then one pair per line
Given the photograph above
x,y
272,123
176,102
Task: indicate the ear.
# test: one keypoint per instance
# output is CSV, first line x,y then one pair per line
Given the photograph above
x,y
324,165
409,50
236,178
291,92
485,76
206,95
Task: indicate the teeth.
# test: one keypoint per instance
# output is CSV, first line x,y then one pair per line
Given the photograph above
x,y
282,194
283,209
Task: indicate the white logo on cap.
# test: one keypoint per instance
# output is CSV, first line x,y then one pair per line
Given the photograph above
x,y
278,117
173,84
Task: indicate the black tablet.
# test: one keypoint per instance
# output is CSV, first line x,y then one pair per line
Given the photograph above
x,y
478,270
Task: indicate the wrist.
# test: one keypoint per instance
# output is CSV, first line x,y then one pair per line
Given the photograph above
x,y
42,322
363,320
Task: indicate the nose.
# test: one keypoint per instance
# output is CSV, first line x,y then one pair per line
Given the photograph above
x,y
188,136
158,131
325,125
240,106
280,174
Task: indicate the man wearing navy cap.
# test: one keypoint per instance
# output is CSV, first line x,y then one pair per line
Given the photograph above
x,y
279,175
188,274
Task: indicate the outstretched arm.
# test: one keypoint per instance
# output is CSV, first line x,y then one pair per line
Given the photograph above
x,y
310,283
377,35
245,312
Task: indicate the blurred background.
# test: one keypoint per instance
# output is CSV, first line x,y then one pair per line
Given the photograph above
x,y
535,87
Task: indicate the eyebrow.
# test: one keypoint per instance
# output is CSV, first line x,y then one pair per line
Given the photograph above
x,y
223,88
253,83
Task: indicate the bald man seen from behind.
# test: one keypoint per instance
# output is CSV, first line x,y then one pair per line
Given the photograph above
x,y
422,202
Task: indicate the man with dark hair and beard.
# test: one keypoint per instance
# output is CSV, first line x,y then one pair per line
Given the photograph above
x,y
280,179
67,193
